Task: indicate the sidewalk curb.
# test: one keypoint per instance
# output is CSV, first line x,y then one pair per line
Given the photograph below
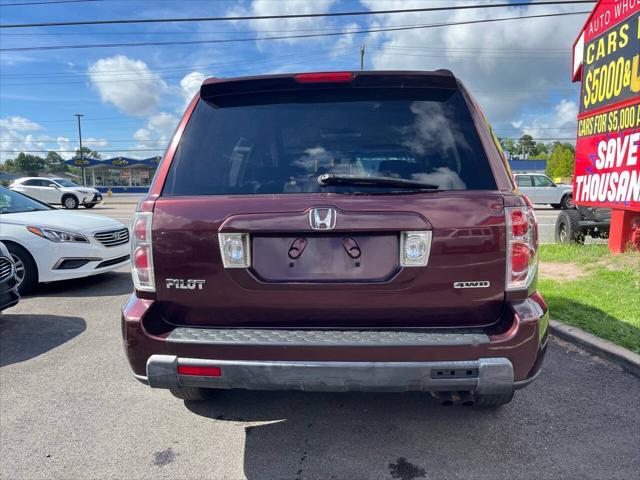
x,y
626,359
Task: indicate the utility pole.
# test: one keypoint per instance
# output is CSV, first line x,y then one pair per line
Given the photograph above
x,y
84,183
362,57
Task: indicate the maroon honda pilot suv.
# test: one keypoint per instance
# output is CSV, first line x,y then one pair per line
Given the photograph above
x,y
336,231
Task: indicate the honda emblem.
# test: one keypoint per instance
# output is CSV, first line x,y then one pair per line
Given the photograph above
x,y
322,218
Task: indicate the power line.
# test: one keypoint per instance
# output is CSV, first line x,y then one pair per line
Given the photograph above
x,y
297,15
284,37
181,68
153,75
189,68
45,3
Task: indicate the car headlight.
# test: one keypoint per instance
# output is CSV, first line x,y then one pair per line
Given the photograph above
x,y
58,235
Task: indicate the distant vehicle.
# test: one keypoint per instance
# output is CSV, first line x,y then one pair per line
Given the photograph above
x,y
541,189
9,295
336,231
57,191
47,244
572,226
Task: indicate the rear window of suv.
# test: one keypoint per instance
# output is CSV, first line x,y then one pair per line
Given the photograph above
x,y
424,135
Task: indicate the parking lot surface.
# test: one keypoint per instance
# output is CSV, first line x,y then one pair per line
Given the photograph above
x,y
69,408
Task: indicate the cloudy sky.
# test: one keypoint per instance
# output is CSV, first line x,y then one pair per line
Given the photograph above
x,y
132,97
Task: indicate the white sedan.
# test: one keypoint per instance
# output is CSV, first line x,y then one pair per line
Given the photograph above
x,y
49,244
57,191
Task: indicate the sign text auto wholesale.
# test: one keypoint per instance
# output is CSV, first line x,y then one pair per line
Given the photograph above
x,y
607,171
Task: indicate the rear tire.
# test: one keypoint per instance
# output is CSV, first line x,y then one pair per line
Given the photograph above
x,y
193,394
567,202
70,202
25,267
568,227
492,401
89,205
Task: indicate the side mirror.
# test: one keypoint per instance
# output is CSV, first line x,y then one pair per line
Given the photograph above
x,y
53,185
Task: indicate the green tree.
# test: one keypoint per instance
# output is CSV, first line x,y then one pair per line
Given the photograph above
x,y
561,161
88,153
526,146
54,163
9,165
509,146
541,151
31,165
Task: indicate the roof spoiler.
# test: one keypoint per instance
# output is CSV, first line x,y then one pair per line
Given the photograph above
x,y
218,87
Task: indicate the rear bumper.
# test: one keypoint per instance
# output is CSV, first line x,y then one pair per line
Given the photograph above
x,y
339,360
485,376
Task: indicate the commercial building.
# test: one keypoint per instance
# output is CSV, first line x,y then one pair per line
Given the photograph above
x,y
120,174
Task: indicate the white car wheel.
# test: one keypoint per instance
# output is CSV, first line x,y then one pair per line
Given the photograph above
x,y
70,202
19,266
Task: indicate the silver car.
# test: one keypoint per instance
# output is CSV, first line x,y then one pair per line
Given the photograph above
x,y
541,189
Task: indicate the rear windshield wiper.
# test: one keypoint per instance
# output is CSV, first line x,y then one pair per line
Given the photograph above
x,y
337,179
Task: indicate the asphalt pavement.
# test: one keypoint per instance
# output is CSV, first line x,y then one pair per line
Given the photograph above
x,y
69,409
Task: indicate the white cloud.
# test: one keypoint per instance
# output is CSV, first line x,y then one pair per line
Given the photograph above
x,y
190,85
345,42
509,66
128,84
159,127
94,143
558,123
65,145
14,137
283,7
18,124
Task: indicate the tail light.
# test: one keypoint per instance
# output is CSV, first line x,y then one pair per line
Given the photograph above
x,y
235,249
522,247
414,248
142,252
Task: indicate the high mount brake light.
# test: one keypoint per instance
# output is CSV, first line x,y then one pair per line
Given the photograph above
x,y
522,247
328,77
142,252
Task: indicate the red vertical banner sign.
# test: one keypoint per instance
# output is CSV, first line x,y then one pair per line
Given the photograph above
x,y
607,62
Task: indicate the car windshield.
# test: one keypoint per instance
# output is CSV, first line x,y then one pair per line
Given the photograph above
x,y
14,202
64,183
418,135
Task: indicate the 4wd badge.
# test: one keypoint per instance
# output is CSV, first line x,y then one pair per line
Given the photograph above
x,y
478,284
